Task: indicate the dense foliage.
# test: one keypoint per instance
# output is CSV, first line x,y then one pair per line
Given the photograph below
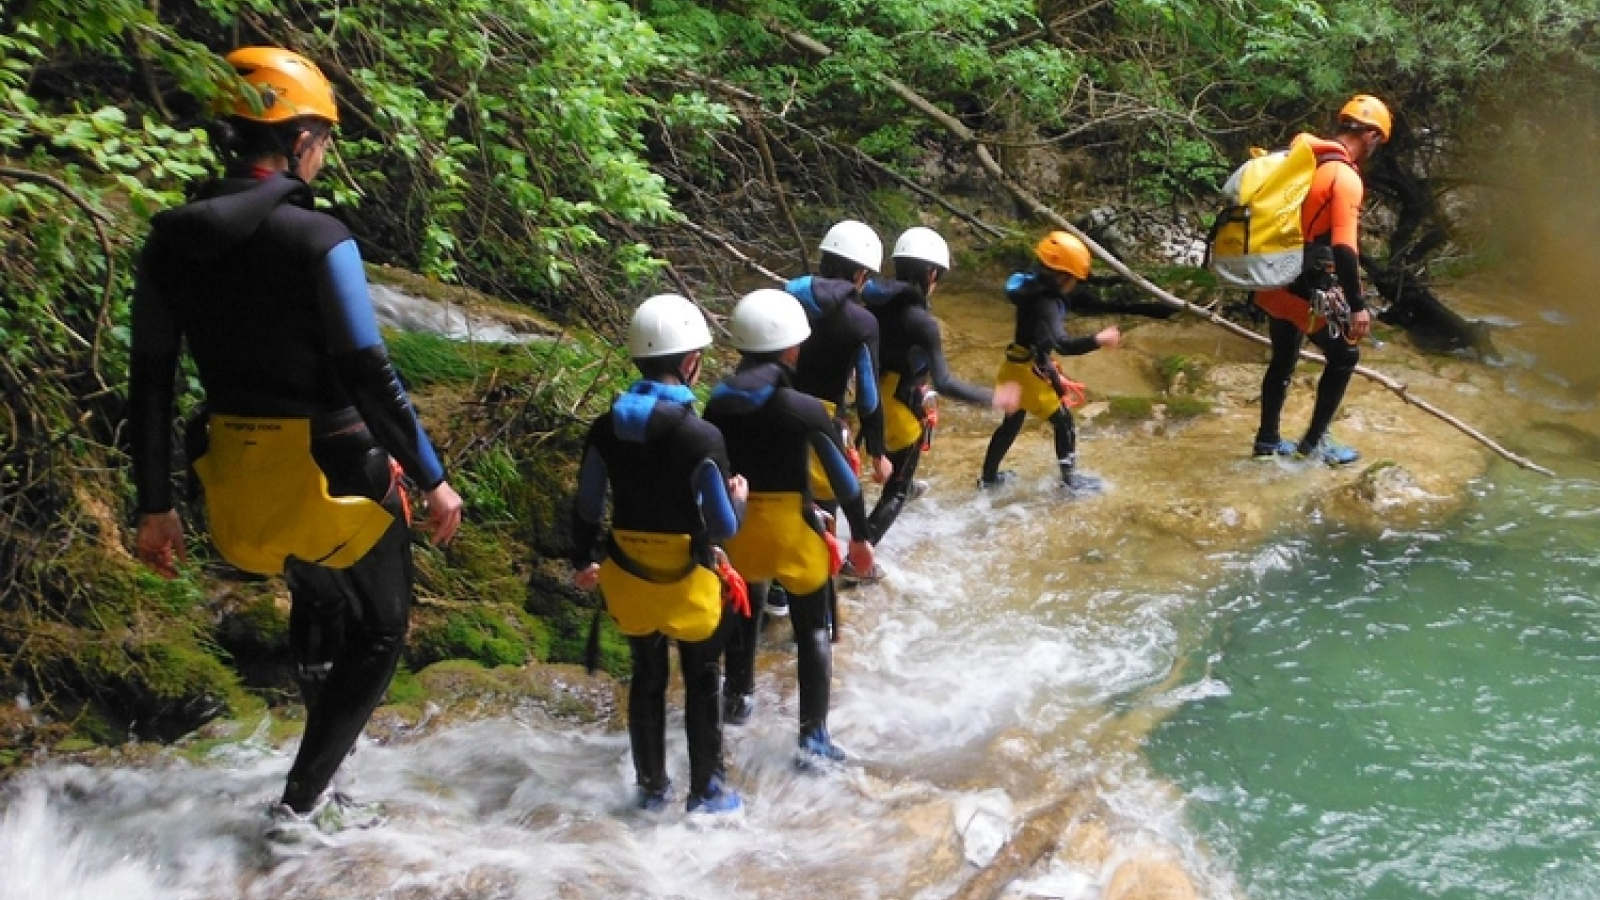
x,y
571,154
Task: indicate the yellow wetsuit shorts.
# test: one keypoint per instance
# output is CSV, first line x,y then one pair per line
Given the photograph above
x,y
1039,396
777,542
267,500
667,591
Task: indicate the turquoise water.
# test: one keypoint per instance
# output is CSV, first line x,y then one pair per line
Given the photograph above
x,y
1414,715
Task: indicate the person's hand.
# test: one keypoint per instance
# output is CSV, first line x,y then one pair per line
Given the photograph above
x,y
443,506
1007,397
1360,325
587,578
861,556
738,489
882,468
1109,337
159,540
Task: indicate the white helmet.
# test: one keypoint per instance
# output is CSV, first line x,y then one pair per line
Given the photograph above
x,y
924,244
856,242
768,320
666,324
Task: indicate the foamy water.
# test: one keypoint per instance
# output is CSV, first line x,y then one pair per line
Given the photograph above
x,y
962,703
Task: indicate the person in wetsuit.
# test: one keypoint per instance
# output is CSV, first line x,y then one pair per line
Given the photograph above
x,y
914,366
271,299
843,345
672,500
1041,300
773,431
1330,220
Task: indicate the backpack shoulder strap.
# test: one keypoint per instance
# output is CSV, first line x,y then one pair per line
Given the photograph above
x,y
1323,158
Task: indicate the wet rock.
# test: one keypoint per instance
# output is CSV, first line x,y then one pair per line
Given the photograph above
x,y
1150,879
1384,488
984,822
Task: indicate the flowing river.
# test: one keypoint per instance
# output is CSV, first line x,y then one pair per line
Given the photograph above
x,y
1323,712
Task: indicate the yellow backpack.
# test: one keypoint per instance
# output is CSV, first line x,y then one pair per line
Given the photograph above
x,y
1255,241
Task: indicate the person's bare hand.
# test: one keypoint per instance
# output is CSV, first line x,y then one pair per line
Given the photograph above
x,y
738,489
159,542
587,578
1007,397
443,507
1360,325
882,468
862,557
1109,337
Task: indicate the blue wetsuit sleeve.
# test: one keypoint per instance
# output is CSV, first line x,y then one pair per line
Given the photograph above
x,y
588,509
717,509
345,303
866,381
351,330
869,405
846,487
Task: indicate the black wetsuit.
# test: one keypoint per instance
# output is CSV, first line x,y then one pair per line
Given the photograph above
x,y
910,346
771,429
843,343
1041,310
271,300
667,473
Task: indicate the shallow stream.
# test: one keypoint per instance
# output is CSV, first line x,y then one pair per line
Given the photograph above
x,y
1307,711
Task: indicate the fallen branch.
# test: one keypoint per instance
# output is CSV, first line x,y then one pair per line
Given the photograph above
x,y
858,155
731,250
992,166
1039,835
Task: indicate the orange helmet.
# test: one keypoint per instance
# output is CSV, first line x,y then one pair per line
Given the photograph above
x,y
1369,111
1063,252
288,84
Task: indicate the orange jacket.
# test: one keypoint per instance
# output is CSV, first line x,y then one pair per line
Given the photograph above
x,y
1333,206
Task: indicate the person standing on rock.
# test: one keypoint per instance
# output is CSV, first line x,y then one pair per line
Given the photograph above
x,y
773,433
1330,218
308,429
914,366
673,499
1040,297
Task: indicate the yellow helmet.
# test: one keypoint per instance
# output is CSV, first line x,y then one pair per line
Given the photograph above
x,y
1063,252
1369,111
289,85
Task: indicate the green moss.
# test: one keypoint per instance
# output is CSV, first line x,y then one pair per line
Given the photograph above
x,y
456,677
570,626
1187,407
405,688
254,625
177,595
1130,408
491,635
1139,409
